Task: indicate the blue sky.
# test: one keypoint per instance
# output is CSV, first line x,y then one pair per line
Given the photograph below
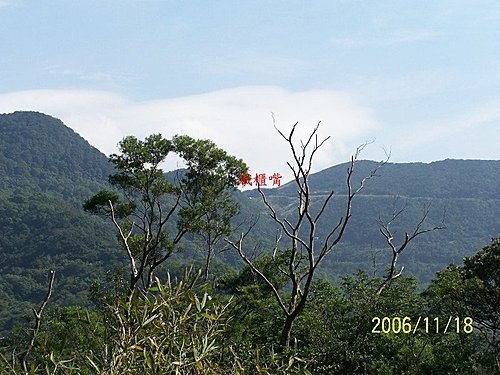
x,y
421,78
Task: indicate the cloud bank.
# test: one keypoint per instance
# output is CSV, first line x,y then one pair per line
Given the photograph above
x,y
238,120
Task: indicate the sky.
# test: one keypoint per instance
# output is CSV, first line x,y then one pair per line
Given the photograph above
x,y
418,79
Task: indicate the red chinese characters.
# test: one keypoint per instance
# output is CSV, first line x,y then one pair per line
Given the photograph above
x,y
260,179
246,179
276,179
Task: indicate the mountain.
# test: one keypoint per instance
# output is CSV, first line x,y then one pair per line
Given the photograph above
x,y
47,171
462,195
40,154
476,179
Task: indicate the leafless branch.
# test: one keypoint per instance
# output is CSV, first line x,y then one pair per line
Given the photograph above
x,y
339,229
237,246
388,234
124,237
302,230
38,321
276,263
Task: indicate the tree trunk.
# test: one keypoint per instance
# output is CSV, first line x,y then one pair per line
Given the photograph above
x,y
207,263
286,331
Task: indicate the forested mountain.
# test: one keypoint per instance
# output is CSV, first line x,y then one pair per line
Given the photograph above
x,y
40,154
461,195
477,179
47,171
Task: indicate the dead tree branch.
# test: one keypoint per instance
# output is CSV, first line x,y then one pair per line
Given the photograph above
x,y
306,250
397,249
24,356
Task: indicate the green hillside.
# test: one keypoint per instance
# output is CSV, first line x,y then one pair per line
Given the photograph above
x,y
441,179
464,194
38,153
47,171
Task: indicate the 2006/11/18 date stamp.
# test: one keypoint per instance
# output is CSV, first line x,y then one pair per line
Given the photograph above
x,y
426,324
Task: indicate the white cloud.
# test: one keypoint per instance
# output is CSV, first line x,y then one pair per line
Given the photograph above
x,y
239,120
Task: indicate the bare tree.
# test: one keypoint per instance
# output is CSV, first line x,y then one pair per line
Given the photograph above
x,y
306,249
24,356
396,249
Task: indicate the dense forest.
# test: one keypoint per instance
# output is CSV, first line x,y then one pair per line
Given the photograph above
x,y
151,274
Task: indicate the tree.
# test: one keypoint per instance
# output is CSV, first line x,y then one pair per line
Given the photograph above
x,y
23,357
145,212
397,249
21,361
481,275
473,291
206,205
306,249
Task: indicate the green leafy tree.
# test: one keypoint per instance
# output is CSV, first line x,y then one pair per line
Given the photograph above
x,y
335,331
253,302
473,291
145,212
481,274
206,204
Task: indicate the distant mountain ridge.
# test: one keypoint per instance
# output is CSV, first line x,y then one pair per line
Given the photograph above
x,y
47,171
463,195
450,178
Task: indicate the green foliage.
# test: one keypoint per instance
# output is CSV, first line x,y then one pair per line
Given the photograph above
x,y
38,153
46,170
171,330
185,327
138,166
335,330
334,334
211,177
200,199
473,290
259,316
248,359
42,232
188,327
100,201
207,164
176,327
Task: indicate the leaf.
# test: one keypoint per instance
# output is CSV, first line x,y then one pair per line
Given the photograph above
x,y
209,316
